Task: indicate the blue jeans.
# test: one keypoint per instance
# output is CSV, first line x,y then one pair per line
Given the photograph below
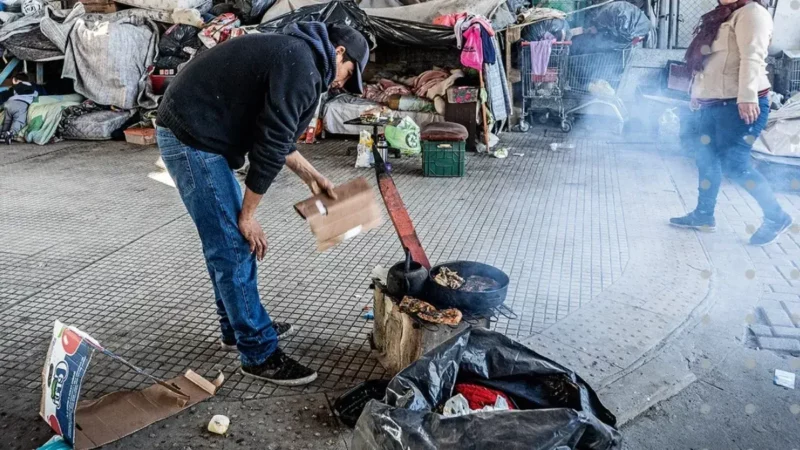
x,y
725,144
213,197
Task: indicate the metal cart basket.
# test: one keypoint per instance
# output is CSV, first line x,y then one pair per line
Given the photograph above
x,y
572,83
594,79
543,93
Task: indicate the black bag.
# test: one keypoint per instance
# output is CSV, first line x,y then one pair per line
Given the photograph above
x,y
621,21
556,407
250,11
176,38
397,32
559,28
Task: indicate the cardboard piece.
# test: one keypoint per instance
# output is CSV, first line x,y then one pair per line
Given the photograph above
x,y
89,424
332,221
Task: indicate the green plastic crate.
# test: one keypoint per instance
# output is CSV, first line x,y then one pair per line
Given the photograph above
x,y
443,158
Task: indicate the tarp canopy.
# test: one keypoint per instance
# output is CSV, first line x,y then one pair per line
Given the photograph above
x,y
377,29
412,11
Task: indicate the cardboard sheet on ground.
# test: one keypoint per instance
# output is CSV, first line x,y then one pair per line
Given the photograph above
x,y
90,424
355,211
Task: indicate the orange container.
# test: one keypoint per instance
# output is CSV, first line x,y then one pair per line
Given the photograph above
x,y
140,136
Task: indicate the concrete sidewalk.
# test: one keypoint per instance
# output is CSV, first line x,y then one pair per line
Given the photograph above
x,y
599,282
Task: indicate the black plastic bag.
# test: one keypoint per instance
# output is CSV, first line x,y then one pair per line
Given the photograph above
x,y
557,408
250,11
169,62
559,28
390,31
621,21
596,43
176,38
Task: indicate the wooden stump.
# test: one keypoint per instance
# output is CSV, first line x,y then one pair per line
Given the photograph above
x,y
398,339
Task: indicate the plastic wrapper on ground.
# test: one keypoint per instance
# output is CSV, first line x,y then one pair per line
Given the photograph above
x,y
557,408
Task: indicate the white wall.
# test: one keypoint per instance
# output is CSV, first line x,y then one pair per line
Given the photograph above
x,y
786,35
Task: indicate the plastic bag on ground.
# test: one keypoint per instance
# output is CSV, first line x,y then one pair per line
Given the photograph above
x,y
669,125
555,406
364,156
404,136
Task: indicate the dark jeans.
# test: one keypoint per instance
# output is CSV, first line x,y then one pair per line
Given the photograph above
x,y
16,116
725,144
213,197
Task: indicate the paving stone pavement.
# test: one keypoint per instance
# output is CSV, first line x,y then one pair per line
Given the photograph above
x,y
730,399
598,279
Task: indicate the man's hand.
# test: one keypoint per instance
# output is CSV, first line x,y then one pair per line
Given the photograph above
x,y
319,184
251,230
249,226
749,112
315,180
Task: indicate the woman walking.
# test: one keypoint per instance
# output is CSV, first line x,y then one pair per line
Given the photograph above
x,y
728,56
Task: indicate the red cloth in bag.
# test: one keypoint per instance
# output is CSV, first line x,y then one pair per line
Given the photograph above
x,y
478,396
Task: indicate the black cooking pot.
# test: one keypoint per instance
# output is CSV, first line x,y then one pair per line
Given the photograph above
x,y
472,302
406,278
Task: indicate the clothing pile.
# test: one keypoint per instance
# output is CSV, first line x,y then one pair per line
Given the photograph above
x,y
219,30
434,83
382,90
422,93
479,49
474,35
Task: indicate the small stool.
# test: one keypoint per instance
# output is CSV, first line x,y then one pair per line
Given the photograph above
x,y
443,149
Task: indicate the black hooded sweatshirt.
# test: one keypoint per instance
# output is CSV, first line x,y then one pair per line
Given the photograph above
x,y
253,95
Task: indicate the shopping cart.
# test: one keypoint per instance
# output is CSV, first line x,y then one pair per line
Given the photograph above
x,y
544,93
594,79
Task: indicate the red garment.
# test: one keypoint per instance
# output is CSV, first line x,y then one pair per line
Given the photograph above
x,y
448,20
479,396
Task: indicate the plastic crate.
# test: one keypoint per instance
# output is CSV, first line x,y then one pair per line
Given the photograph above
x,y
443,158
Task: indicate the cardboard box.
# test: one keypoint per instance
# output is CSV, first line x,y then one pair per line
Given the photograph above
x,y
140,136
89,424
333,221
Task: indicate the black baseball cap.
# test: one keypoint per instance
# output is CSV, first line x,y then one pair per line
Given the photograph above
x,y
356,49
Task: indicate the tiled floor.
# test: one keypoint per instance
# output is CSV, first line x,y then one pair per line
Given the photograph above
x,y
90,240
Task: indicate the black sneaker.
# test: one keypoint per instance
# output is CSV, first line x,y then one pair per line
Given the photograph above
x,y
696,221
282,370
6,137
283,329
770,230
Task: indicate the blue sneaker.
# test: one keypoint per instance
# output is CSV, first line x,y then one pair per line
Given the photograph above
x,y
770,230
695,221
